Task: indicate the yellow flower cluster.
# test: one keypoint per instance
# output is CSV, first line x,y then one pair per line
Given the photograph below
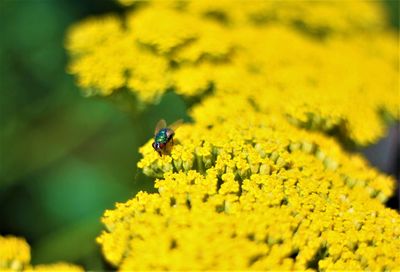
x,y
247,142
15,255
317,18
309,61
244,190
290,219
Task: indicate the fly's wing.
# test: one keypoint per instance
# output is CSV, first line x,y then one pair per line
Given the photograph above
x,y
160,125
176,124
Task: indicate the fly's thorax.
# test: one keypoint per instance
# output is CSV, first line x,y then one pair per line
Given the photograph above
x,y
164,135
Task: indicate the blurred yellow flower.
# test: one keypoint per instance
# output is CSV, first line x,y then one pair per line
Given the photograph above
x,y
307,61
15,255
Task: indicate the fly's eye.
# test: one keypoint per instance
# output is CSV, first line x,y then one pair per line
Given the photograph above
x,y
155,145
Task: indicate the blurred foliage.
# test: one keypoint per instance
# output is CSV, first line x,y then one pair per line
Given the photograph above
x,y
393,9
64,158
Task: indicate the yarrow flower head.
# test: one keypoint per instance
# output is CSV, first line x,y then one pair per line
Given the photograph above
x,y
243,191
15,255
232,138
264,222
316,70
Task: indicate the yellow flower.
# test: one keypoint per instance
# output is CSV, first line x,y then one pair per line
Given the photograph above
x,y
15,255
247,142
250,224
256,190
329,80
55,267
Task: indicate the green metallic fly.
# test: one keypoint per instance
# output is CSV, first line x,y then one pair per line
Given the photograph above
x,y
164,137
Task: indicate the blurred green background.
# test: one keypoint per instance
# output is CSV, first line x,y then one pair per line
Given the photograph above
x,y
64,158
